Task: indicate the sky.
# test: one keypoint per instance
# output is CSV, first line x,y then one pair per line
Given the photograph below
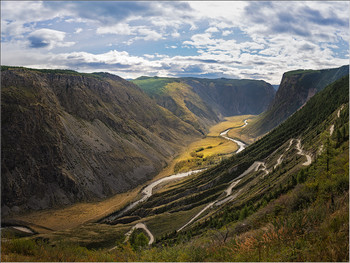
x,y
211,39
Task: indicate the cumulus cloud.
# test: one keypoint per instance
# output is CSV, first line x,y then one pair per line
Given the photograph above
x,y
212,30
214,39
175,34
226,33
307,19
48,38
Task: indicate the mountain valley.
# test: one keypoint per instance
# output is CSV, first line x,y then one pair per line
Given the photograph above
x,y
204,102
284,191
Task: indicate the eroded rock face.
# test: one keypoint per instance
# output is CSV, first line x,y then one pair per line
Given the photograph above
x,y
69,137
230,97
296,88
204,102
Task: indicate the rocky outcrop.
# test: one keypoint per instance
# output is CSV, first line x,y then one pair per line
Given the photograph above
x,y
295,89
69,137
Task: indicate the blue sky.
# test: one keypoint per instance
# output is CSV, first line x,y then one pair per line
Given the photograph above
x,y
214,39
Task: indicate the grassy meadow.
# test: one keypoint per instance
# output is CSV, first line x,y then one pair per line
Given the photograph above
x,y
213,148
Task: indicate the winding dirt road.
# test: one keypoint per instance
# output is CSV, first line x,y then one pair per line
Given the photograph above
x,y
301,152
138,225
148,191
254,167
144,227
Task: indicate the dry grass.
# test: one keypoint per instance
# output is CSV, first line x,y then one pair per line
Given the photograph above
x,y
230,122
218,144
211,146
81,213
241,133
77,214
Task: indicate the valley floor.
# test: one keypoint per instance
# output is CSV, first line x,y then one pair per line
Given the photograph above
x,y
214,148
290,205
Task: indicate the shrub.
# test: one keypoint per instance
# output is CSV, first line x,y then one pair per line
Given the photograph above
x,y
21,246
138,240
199,149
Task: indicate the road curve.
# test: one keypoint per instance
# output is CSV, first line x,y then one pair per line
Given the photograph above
x,y
148,191
144,227
254,167
301,152
196,216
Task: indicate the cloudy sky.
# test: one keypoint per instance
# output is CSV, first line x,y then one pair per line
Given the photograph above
x,y
212,39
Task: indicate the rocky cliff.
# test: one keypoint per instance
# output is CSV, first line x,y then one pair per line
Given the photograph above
x,y
295,89
70,137
233,96
204,102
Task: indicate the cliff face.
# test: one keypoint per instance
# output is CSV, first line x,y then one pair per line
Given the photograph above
x,y
296,88
204,102
70,137
232,96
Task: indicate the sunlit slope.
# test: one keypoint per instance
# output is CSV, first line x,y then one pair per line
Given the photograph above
x,y
204,102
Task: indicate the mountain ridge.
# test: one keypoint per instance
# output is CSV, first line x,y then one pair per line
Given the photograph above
x,y
295,89
203,102
80,137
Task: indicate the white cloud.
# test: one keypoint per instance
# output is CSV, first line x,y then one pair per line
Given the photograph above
x,y
149,56
48,38
78,30
201,40
118,29
212,30
140,32
226,33
148,34
175,34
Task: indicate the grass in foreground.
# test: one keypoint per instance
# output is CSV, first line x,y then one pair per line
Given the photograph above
x,y
310,222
